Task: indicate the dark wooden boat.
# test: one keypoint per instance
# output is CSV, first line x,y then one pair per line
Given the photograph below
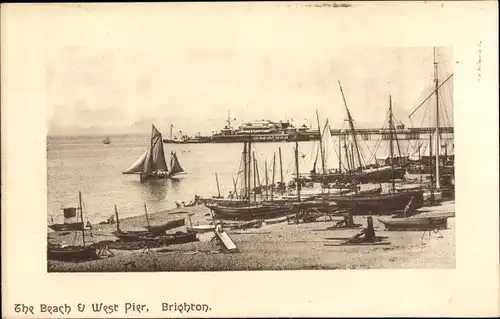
x,y
71,253
166,226
173,239
152,164
131,235
374,175
162,228
134,235
250,212
67,226
381,203
75,252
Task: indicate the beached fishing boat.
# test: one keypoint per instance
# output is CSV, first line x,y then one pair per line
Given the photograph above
x,y
352,171
249,212
162,228
416,222
382,203
69,212
73,252
67,226
152,164
133,235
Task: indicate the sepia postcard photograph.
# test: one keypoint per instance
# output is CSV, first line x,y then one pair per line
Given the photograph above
x,y
247,143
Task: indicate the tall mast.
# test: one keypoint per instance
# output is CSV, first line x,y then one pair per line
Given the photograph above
x,y
267,181
281,171
254,178
81,216
117,219
274,169
146,212
351,124
249,166
171,127
436,81
245,171
347,157
430,161
297,168
391,127
321,144
340,153
352,156
235,188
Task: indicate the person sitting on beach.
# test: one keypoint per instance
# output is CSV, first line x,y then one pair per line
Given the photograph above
x,y
177,204
368,232
230,196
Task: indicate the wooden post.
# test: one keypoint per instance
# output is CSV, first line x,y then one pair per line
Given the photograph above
x,y
81,216
254,178
117,219
297,169
217,180
267,181
274,168
282,180
391,147
146,212
245,171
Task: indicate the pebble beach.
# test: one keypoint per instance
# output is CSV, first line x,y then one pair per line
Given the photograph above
x,y
279,246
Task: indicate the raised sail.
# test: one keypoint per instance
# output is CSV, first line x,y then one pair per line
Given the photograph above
x,y
328,149
175,166
137,166
155,158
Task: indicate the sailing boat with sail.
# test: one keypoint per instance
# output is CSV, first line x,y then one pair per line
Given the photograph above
x,y
107,140
73,253
152,164
355,171
443,166
249,210
384,202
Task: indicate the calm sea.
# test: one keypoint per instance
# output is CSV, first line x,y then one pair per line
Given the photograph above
x,y
86,164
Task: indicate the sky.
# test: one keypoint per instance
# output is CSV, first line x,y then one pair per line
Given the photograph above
x,y
118,72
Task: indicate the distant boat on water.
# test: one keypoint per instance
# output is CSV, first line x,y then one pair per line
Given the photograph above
x,y
107,140
152,164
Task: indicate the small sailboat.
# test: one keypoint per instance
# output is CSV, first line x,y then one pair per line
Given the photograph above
x,y
73,253
128,235
246,210
162,228
69,212
152,164
107,140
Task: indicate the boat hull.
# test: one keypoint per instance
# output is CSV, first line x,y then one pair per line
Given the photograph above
x,y
71,253
249,212
161,229
67,226
415,223
375,176
379,204
131,235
